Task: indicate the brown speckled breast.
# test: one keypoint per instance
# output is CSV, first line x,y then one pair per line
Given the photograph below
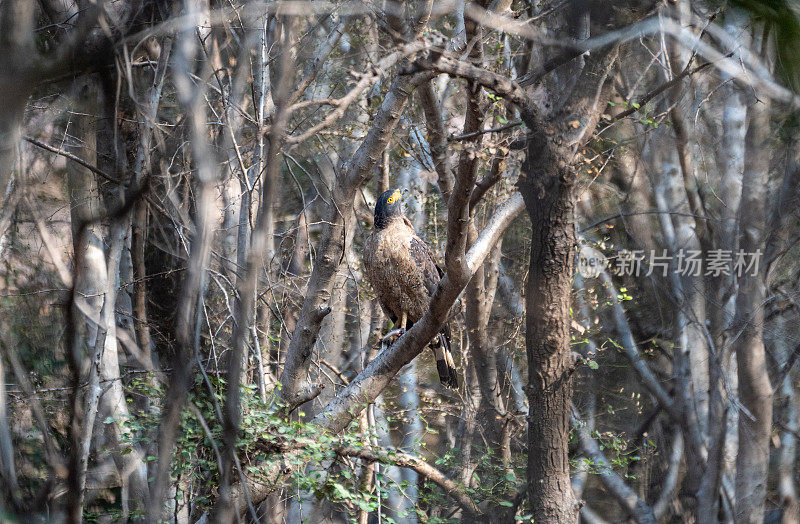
x,y
398,277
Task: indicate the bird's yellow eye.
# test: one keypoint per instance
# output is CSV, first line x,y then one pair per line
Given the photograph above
x,y
395,197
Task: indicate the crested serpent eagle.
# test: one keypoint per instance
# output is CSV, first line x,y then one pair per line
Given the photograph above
x,y
402,270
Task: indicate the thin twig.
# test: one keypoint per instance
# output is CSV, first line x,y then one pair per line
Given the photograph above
x,y
74,158
660,89
467,136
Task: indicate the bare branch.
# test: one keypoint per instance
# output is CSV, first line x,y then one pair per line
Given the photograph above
x,y
499,84
322,54
74,158
307,395
466,136
496,226
364,81
406,460
193,287
753,74
676,80
331,246
670,482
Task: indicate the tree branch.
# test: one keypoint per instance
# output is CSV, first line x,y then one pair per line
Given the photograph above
x,y
332,242
467,136
364,81
660,89
406,460
365,388
499,84
74,158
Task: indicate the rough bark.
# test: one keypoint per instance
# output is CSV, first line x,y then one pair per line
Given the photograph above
x,y
547,294
549,190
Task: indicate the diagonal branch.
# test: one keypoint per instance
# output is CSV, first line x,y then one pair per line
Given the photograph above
x,y
66,154
406,460
369,383
332,242
660,89
499,84
364,81
365,388
321,55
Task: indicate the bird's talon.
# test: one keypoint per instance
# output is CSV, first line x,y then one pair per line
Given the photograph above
x,y
392,336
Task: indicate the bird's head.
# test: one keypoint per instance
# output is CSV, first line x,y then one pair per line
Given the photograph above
x,y
387,207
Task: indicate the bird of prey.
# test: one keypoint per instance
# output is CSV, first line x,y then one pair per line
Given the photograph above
x,y
402,270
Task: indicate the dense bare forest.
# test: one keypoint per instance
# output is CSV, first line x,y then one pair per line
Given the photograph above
x,y
196,316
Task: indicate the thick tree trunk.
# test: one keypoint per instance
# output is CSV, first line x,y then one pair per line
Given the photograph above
x,y
547,184
549,201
